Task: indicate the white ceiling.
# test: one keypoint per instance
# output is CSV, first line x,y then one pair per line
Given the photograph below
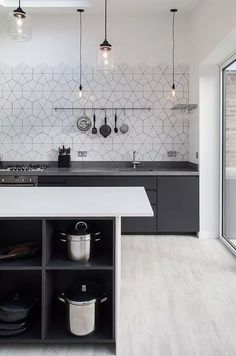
x,y
115,6
146,6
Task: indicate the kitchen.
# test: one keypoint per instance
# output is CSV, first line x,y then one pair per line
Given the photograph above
x,y
109,178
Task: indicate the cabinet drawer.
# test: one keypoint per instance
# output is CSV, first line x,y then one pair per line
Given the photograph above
x,y
152,196
88,181
146,182
140,225
51,181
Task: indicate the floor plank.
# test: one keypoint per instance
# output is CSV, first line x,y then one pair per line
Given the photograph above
x,y
178,299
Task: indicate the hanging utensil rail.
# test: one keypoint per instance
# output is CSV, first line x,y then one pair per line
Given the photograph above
x,y
107,109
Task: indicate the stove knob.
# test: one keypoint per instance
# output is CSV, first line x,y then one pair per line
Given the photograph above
x,y
3,180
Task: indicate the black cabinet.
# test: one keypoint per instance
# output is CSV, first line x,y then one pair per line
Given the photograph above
x,y
174,200
178,204
48,274
128,225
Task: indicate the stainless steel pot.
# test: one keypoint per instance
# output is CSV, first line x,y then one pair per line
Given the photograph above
x,y
82,302
79,242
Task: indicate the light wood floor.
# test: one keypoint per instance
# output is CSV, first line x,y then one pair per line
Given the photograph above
x,y
178,299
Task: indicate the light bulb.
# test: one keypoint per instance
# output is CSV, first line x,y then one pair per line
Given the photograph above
x,y
106,62
105,54
19,22
173,93
80,94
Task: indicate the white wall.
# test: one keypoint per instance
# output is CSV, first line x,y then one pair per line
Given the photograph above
x,y
214,39
135,40
209,24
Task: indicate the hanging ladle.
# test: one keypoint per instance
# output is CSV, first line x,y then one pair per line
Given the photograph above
x,y
116,129
94,129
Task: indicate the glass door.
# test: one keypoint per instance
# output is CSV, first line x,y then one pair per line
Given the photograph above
x,y
229,154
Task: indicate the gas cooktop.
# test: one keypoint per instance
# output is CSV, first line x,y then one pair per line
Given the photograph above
x,y
23,168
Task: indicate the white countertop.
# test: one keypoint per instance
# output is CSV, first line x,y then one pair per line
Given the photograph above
x,y
74,202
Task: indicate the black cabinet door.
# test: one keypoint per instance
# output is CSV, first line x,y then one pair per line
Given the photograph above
x,y
139,225
129,225
52,181
178,204
91,181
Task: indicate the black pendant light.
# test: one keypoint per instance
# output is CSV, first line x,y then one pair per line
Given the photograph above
x,y
105,60
19,25
80,52
173,11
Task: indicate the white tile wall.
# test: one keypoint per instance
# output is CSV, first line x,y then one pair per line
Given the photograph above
x,y
30,128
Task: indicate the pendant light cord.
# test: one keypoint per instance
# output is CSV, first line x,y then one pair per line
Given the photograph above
x,y
105,19
173,49
80,51
19,3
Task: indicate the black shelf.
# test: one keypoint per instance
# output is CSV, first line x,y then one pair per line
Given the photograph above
x,y
34,264
49,273
59,261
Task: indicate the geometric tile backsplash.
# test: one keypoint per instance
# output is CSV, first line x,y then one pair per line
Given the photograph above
x,y
31,130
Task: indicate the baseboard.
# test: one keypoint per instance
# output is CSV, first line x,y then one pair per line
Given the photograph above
x,y
208,235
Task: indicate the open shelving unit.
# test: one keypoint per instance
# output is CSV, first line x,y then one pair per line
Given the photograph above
x,y
48,274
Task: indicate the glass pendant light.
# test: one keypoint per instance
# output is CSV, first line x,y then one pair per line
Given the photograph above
x,y
80,53
19,25
173,93
105,58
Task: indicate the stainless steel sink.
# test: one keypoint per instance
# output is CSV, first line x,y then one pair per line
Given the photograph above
x,y
135,169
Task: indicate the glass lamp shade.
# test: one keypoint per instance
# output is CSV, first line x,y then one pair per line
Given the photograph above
x,y
105,60
19,26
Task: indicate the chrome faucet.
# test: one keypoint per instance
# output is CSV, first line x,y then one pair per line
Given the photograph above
x,y
135,162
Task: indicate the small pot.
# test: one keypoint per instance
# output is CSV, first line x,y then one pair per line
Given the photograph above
x,y
82,300
16,307
79,242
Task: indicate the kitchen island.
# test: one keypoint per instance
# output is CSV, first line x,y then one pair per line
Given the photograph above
x,y
38,214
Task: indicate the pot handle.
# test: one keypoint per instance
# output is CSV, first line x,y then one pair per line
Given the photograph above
x,y
103,299
81,223
61,298
61,238
95,239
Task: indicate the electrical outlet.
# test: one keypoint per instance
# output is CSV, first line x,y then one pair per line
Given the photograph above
x,y
82,154
172,154
197,155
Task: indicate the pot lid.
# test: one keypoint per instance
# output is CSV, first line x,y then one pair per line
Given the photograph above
x,y
83,292
80,229
16,302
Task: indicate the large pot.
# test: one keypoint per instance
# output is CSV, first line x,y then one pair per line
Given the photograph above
x,y
16,307
79,242
82,301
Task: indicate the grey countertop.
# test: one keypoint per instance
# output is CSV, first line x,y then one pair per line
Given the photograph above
x,y
113,169
117,172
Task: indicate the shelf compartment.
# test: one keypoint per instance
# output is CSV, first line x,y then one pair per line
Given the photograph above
x,y
56,317
15,232
56,251
30,283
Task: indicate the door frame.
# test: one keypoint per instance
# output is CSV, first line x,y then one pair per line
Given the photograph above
x,y
222,67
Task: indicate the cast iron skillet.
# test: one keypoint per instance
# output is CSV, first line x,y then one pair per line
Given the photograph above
x,y
105,129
